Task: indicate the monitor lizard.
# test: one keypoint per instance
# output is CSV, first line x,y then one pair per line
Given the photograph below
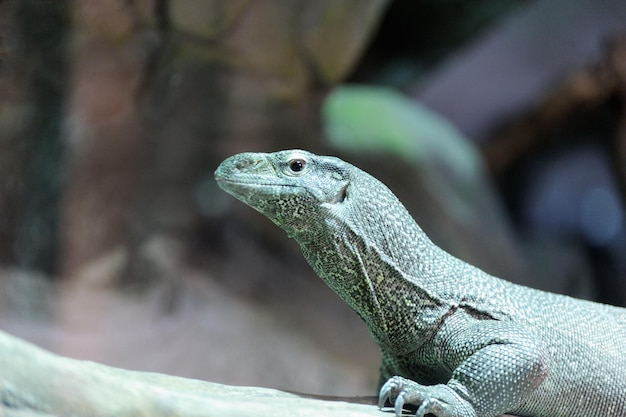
x,y
455,341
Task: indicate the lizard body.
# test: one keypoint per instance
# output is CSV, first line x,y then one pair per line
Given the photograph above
x,y
455,341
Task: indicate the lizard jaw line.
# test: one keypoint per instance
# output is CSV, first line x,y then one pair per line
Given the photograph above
x,y
252,184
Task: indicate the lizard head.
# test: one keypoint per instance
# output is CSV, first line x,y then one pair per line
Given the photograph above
x,y
292,188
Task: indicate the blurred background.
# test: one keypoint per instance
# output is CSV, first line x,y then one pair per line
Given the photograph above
x,y
501,124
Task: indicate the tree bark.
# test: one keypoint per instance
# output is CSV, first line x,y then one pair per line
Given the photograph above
x,y
160,92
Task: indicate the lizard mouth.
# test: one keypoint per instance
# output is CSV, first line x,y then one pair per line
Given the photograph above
x,y
241,188
251,184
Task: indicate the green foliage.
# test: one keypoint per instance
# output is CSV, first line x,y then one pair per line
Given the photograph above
x,y
360,119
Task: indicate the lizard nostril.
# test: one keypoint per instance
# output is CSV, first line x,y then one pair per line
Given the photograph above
x,y
248,163
242,164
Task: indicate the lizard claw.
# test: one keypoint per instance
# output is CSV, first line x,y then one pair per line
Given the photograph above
x,y
437,400
431,406
399,404
392,390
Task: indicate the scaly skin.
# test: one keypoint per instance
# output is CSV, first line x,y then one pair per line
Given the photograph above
x,y
455,341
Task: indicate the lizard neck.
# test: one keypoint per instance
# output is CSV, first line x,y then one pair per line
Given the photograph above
x,y
375,276
392,275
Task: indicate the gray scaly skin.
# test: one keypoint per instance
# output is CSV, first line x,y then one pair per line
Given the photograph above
x,y
455,341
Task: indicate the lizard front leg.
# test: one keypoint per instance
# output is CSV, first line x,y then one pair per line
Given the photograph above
x,y
495,367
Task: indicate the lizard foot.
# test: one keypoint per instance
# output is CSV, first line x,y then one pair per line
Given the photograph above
x,y
438,400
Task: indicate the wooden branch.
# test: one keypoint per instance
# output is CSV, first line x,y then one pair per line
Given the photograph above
x,y
583,91
34,382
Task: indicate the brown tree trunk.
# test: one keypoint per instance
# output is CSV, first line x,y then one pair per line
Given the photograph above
x,y
161,92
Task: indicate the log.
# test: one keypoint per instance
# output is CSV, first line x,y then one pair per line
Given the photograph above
x,y
34,382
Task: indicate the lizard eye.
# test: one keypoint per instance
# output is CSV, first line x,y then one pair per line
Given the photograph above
x,y
296,166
